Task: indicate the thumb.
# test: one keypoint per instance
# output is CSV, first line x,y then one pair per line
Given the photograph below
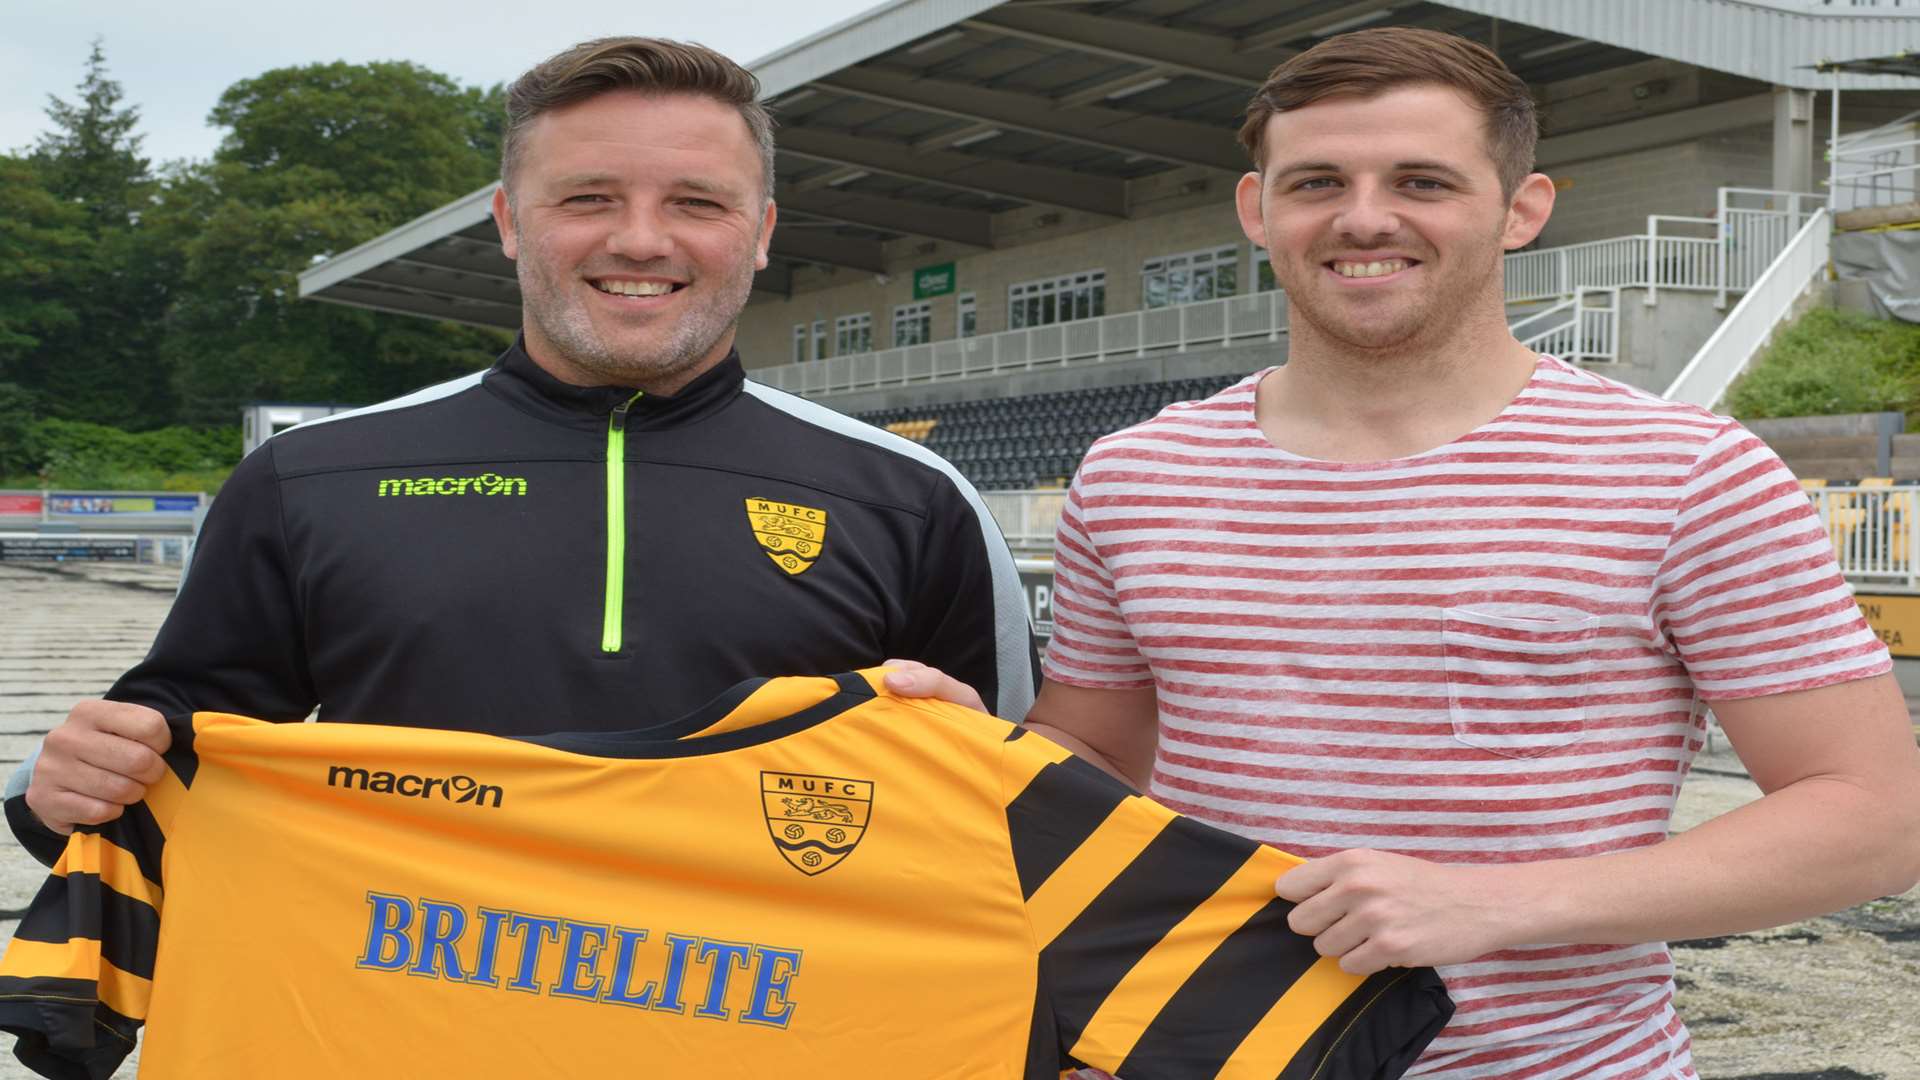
x,y
906,676
1303,881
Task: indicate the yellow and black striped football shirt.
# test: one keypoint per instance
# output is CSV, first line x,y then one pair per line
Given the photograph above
x,y
808,879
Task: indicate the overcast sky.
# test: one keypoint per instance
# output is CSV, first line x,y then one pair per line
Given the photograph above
x,y
173,59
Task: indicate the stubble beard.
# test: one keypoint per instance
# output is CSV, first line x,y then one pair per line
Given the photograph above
x,y
1429,321
563,320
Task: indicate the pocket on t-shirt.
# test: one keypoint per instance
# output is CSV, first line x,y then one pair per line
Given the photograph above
x,y
1517,687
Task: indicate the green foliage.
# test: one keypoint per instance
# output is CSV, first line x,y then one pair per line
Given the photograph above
x,y
1830,362
92,157
99,309
404,138
318,159
42,243
138,300
16,423
76,454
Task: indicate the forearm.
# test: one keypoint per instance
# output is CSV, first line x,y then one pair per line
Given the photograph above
x,y
1095,757
1812,847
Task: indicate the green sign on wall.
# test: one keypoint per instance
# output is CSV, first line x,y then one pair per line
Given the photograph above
x,y
930,281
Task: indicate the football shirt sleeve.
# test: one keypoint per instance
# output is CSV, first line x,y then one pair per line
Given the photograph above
x,y
1164,953
77,976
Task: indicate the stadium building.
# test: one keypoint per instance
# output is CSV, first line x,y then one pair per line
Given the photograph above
x,y
1007,227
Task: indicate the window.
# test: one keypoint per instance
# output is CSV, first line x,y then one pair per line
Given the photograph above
x,y
853,334
969,316
801,339
913,324
1263,279
1189,276
1056,300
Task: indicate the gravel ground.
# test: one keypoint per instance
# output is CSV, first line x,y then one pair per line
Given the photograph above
x,y
1832,998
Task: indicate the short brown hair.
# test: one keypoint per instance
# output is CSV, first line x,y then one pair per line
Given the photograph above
x,y
652,65
1368,62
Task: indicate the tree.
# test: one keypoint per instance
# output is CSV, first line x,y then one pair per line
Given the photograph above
x,y
316,160
98,358
16,424
92,157
396,132
42,240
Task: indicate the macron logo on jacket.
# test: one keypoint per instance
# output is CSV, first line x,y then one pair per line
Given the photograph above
x,y
484,484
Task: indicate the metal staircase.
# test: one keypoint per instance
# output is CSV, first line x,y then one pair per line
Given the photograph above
x,y
1567,300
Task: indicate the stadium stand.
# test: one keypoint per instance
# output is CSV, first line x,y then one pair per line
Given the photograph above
x,y
1037,440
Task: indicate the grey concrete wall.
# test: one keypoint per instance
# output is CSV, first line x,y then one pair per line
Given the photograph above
x,y
1657,341
1828,427
1612,196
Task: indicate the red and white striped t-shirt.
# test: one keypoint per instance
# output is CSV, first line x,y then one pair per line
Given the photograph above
x,y
1499,650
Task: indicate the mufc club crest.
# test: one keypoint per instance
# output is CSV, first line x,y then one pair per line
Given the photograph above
x,y
793,536
815,821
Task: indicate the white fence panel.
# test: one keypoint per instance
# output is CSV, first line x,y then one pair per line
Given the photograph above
x,y
1082,338
1026,518
1206,323
1754,238
1160,328
1249,316
1599,326
1874,533
917,366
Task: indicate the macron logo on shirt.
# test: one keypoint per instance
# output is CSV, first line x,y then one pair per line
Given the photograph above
x,y
454,789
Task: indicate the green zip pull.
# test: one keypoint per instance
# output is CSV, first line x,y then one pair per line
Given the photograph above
x,y
616,524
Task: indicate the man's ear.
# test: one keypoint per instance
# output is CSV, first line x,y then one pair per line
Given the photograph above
x,y
503,220
766,236
1528,211
1246,203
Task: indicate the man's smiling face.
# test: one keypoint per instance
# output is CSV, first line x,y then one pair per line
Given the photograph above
x,y
636,222
1383,215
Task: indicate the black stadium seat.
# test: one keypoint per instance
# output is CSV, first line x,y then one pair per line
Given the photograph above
x,y
1015,443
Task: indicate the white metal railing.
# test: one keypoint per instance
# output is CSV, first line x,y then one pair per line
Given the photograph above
x,y
1026,518
1677,261
1880,167
1582,329
1874,533
1747,327
1720,254
1750,228
1228,320
1755,226
1557,272
1835,6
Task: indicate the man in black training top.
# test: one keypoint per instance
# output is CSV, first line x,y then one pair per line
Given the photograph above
x,y
603,530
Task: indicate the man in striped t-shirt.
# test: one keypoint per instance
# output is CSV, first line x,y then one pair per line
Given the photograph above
x,y
1445,616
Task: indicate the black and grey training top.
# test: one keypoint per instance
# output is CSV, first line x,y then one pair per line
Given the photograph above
x,y
507,553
